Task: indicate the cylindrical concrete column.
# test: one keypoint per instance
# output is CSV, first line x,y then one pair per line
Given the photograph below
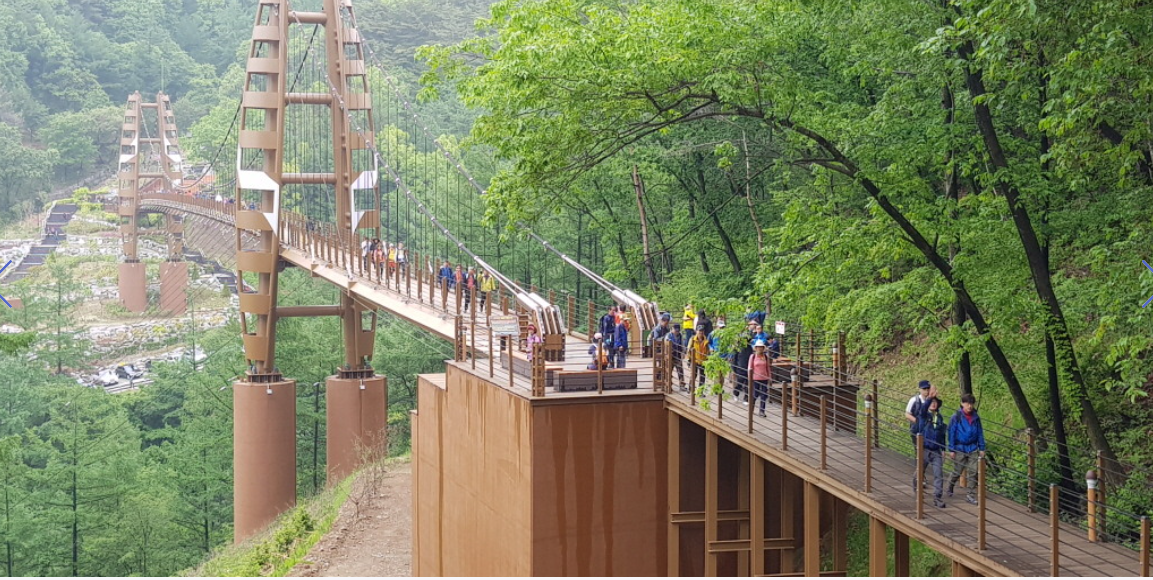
x,y
357,418
173,287
264,453
133,287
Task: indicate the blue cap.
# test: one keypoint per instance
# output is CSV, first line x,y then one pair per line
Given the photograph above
x,y
923,384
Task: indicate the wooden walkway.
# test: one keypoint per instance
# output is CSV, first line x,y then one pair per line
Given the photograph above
x,y
1017,541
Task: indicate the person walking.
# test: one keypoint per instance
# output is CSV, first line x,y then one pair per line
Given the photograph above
x,y
445,275
966,445
487,284
698,352
759,371
917,407
469,286
740,363
933,431
677,343
608,325
621,343
688,320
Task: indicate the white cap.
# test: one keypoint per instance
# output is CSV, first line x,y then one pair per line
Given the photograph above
x,y
758,342
597,336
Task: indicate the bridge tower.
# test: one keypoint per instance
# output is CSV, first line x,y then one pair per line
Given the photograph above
x,y
264,401
150,159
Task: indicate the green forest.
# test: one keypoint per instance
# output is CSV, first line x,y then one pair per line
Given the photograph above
x,y
961,186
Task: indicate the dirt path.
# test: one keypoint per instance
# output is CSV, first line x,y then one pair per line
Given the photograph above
x,y
373,534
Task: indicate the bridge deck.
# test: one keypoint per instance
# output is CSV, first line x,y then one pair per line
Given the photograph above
x,y
1017,541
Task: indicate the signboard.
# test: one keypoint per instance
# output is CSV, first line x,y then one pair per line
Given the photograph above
x,y
781,327
505,324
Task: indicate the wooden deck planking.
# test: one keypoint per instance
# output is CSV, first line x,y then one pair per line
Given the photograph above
x,y
1015,538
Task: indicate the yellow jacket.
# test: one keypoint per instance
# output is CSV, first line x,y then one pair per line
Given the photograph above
x,y
699,348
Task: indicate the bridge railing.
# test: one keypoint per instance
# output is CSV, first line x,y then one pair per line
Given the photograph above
x,y
855,417
1012,469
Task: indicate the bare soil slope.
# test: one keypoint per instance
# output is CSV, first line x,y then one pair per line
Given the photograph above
x,y
373,534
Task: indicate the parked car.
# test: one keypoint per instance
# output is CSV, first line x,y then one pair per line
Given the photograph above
x,y
128,371
107,378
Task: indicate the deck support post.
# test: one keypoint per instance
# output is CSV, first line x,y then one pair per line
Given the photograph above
x,y
812,530
900,553
878,548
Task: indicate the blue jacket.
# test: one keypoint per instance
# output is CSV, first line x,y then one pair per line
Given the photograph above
x,y
964,437
678,345
608,324
621,337
933,428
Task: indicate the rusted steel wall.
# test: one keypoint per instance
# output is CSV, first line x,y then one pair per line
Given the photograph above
x,y
599,487
504,485
472,464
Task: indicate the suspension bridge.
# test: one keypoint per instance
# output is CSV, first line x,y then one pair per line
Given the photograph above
x,y
526,461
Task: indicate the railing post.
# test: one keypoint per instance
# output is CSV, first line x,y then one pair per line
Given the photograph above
x,y
1054,530
471,332
458,346
796,386
571,314
419,279
538,369
919,479
1031,468
720,397
1091,499
1144,558
824,432
982,492
1103,507
458,293
869,442
812,341
875,418
444,294
490,363
600,366
592,320
784,417
692,379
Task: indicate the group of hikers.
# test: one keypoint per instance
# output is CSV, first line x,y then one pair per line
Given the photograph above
x,y
380,255
963,438
469,282
751,361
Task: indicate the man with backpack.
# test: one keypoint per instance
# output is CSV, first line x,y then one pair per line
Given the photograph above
x,y
966,444
918,406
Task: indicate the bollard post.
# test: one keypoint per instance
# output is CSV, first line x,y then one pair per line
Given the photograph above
x,y
1031,463
919,478
981,497
824,432
1091,504
869,442
1054,530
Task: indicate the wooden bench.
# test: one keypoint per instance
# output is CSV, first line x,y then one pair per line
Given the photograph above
x,y
521,366
614,379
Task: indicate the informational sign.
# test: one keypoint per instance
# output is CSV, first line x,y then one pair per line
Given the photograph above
x,y
505,324
781,327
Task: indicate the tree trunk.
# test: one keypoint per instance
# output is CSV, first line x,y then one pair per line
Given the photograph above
x,y
639,187
693,220
844,165
734,261
1033,254
953,194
